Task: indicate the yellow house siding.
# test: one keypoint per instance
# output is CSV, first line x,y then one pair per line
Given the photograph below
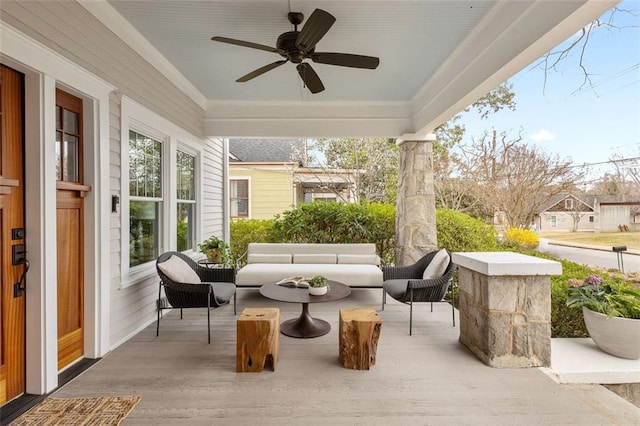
x,y
270,189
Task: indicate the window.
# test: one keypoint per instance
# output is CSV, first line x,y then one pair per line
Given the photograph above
x,y
554,221
145,202
239,198
590,219
568,203
186,200
68,137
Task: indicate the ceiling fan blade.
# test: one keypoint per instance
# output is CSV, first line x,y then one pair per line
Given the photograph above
x,y
310,78
260,71
314,29
246,44
346,60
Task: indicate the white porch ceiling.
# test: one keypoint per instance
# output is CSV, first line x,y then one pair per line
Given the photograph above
x,y
436,57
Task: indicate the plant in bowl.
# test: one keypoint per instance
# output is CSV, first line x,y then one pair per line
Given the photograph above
x,y
318,286
215,249
611,313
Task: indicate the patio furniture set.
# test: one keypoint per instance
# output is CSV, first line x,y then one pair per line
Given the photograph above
x,y
188,284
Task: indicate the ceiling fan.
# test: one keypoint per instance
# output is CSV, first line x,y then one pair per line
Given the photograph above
x,y
296,46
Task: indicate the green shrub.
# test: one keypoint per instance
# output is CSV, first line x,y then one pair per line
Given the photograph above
x,y
248,231
321,222
521,238
460,232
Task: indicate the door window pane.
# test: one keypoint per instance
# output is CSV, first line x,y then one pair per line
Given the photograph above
x,y
70,166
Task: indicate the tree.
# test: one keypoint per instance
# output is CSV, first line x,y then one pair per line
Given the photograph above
x,y
375,161
579,43
452,190
512,178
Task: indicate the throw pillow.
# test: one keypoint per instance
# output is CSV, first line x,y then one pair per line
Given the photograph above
x,y
179,271
438,265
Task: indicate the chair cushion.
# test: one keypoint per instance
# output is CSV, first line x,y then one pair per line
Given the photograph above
x,y
437,266
223,291
179,271
396,288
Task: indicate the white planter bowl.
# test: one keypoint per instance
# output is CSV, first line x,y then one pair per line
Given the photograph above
x,y
615,336
318,291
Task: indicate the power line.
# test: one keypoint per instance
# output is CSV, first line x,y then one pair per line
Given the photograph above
x,y
621,160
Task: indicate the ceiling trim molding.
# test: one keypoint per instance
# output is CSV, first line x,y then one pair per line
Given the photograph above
x,y
106,14
307,119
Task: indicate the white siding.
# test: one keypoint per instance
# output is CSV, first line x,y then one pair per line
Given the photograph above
x,y
69,29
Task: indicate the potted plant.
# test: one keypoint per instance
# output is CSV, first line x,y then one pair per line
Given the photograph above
x,y
318,286
611,313
215,249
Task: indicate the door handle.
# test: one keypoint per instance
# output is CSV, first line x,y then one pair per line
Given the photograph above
x,y
19,287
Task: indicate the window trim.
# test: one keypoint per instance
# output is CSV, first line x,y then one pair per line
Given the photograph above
x,y
553,220
568,203
140,119
248,179
186,149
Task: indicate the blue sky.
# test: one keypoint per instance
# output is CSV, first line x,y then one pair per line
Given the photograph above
x,y
588,125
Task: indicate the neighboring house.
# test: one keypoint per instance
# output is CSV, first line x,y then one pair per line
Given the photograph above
x,y
268,177
565,212
596,213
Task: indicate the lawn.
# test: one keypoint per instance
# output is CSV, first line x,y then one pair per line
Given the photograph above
x,y
629,239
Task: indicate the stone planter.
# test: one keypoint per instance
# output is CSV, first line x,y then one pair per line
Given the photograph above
x,y
616,336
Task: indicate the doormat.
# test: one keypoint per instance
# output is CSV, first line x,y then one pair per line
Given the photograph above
x,y
103,411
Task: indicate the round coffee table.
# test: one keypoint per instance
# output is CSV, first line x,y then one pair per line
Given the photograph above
x,y
305,326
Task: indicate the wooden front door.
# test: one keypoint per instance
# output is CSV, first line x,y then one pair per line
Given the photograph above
x,y
12,298
70,228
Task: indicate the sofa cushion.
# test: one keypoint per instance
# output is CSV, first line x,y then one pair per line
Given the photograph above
x,y
359,259
179,271
437,266
327,258
257,274
268,258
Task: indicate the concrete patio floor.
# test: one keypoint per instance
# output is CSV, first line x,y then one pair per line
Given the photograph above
x,y
425,379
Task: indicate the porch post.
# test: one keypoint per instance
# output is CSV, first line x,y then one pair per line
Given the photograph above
x,y
416,203
505,307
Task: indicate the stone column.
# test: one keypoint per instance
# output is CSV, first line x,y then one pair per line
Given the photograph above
x,y
416,202
505,307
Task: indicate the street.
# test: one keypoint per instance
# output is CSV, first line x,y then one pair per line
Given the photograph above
x,y
600,258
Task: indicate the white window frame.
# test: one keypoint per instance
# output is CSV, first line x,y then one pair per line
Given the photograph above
x,y
141,120
554,221
248,179
568,204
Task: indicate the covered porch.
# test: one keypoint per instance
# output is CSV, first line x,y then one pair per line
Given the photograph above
x,y
427,378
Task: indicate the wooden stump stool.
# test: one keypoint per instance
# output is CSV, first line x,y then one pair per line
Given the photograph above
x,y
359,332
258,337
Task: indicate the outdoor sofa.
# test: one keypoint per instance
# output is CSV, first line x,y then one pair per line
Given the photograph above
x,y
356,265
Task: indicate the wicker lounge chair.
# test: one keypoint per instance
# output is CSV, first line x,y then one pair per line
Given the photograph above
x,y
406,284
199,287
